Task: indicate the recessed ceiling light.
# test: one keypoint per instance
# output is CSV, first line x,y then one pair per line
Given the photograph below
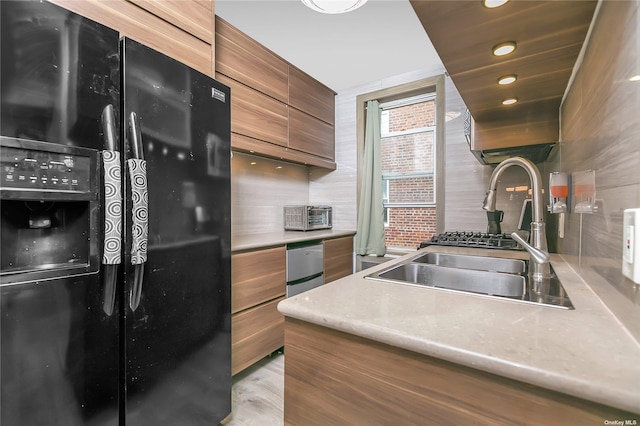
x,y
507,79
491,4
504,48
509,101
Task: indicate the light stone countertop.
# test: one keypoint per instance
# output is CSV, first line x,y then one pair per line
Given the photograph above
x,y
241,242
584,352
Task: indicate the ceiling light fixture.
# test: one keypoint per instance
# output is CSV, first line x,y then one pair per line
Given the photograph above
x,y
491,4
507,79
334,6
509,101
635,78
504,48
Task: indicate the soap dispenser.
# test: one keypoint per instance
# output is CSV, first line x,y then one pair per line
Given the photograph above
x,y
559,194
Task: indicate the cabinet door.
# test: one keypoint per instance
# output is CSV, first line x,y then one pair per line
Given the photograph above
x,y
310,96
193,16
255,333
308,134
138,24
257,276
245,60
256,115
338,258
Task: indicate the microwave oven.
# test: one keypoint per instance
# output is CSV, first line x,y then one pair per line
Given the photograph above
x,y
307,218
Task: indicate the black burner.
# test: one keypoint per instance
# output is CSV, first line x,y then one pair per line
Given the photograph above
x,y
473,239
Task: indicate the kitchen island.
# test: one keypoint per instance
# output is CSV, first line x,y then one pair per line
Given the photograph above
x,y
359,350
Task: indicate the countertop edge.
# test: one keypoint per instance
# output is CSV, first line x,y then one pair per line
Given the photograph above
x,y
583,388
242,242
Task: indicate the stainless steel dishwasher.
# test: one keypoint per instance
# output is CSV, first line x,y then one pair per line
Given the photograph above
x,y
304,267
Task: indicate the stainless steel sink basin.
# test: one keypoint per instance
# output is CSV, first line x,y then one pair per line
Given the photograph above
x,y
482,263
498,284
486,276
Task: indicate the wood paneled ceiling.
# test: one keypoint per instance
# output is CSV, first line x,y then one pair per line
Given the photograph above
x,y
549,36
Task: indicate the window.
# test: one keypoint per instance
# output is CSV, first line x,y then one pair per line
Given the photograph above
x,y
408,129
412,159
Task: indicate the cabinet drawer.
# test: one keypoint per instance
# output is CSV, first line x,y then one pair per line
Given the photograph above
x,y
256,115
255,333
338,258
308,134
257,276
310,96
240,57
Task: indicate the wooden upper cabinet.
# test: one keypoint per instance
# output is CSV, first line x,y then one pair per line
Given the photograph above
x,y
311,96
193,16
136,23
240,57
308,134
256,115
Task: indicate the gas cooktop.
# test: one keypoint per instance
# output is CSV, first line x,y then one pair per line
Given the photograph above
x,y
473,239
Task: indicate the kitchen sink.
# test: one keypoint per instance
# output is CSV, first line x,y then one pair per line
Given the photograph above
x,y
483,263
492,283
501,278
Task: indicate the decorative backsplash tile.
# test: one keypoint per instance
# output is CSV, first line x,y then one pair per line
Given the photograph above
x,y
601,131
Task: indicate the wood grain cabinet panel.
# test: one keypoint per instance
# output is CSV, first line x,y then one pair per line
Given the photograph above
x,y
374,383
338,258
255,333
240,57
193,16
256,115
308,134
136,23
311,96
257,276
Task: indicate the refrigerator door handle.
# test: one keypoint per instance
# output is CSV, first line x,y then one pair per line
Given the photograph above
x,y
112,245
139,211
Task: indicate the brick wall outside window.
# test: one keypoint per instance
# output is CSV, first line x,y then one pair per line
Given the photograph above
x,y
409,226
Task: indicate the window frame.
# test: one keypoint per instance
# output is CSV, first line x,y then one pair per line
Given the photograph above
x,y
416,88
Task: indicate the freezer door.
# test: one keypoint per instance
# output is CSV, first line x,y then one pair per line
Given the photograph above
x,y
177,328
58,72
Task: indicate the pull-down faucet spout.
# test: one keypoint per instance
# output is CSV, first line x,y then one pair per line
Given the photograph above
x,y
539,268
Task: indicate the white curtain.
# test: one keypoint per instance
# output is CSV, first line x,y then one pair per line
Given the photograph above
x,y
370,236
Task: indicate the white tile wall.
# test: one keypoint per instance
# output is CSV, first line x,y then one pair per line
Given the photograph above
x,y
260,188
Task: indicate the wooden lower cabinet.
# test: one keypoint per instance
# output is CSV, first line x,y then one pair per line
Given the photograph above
x,y
338,258
255,333
335,378
257,277
258,283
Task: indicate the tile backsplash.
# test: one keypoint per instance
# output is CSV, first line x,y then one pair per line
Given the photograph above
x,y
600,130
260,188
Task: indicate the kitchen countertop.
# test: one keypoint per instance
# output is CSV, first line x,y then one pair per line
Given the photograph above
x,y
584,352
269,239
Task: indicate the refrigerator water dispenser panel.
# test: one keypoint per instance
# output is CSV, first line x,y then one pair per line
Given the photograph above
x,y
49,210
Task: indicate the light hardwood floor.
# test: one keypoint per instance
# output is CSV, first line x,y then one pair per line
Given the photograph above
x,y
258,394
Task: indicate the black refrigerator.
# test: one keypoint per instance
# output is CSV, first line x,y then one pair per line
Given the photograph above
x,y
115,229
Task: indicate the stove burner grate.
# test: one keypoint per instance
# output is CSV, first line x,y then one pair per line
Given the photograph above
x,y
473,239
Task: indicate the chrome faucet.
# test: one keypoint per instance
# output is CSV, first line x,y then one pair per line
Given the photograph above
x,y
539,268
